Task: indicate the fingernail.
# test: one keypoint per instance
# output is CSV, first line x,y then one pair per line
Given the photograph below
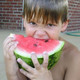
x,y
33,53
18,60
44,52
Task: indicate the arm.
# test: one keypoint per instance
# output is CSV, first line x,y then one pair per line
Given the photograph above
x,y
12,70
18,76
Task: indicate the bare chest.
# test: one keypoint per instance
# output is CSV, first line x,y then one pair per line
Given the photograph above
x,y
58,71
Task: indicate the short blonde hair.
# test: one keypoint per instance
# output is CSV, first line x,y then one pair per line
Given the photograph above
x,y
52,10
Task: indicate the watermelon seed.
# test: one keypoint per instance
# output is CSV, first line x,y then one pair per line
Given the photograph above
x,y
35,45
46,40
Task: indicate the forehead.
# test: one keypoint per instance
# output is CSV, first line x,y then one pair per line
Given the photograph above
x,y
42,11
41,20
43,16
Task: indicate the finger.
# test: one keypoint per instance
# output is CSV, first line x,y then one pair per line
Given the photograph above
x,y
6,46
7,40
9,45
8,49
35,61
45,62
27,74
12,48
26,66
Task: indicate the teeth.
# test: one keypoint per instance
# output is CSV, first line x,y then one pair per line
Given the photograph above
x,y
41,37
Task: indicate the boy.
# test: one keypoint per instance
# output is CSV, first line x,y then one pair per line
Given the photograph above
x,y
44,19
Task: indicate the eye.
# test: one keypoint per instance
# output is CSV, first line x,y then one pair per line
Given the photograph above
x,y
51,25
32,23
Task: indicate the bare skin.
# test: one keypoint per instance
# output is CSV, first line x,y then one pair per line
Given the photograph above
x,y
69,64
12,71
67,68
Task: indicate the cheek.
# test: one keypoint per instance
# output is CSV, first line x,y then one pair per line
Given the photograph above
x,y
54,34
29,31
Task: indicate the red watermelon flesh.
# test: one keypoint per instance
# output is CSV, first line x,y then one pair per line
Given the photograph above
x,y
37,45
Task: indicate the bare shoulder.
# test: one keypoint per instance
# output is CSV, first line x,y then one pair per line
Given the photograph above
x,y
71,57
71,54
68,66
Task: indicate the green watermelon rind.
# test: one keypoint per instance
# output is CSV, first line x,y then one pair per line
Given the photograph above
x,y
53,57
51,62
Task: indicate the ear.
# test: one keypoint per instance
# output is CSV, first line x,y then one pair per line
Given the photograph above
x,y
24,22
64,26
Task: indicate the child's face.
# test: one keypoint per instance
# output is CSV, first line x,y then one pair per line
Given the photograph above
x,y
44,31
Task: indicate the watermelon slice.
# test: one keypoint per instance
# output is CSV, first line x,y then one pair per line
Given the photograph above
x,y
27,45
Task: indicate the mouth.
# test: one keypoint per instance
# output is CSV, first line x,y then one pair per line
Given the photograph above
x,y
42,38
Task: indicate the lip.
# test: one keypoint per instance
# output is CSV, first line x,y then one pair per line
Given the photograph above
x,y
44,38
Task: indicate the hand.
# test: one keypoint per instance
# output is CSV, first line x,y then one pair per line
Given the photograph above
x,y
40,72
10,61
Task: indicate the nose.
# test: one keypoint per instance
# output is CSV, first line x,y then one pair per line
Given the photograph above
x,y
41,34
